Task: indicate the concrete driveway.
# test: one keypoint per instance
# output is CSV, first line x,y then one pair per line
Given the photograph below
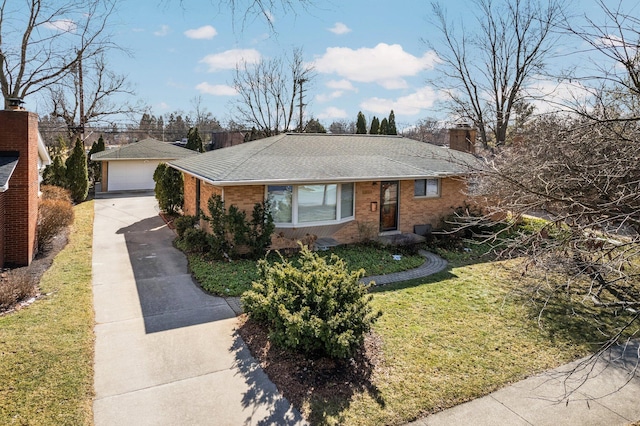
x,y
166,352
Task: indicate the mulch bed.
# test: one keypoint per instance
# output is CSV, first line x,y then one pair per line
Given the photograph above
x,y
301,379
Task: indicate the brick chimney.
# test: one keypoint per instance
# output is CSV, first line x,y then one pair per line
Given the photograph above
x,y
19,203
462,137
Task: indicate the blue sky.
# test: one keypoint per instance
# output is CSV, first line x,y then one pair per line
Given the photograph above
x,y
369,56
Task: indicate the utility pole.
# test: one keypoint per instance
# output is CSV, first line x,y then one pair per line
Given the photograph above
x,y
301,81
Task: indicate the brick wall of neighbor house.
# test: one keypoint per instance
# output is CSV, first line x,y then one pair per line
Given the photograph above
x,y
2,229
418,211
19,132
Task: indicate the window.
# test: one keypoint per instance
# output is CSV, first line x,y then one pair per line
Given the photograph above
x,y
307,204
346,200
280,201
426,188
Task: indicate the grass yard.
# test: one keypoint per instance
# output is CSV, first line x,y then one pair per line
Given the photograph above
x,y
453,337
234,278
46,350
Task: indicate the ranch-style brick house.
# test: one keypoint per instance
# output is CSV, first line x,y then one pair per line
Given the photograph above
x,y
339,187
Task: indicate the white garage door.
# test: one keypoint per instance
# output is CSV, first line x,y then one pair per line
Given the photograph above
x,y
131,175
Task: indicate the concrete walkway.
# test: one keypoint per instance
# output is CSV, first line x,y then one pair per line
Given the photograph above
x,y
431,265
166,352
602,392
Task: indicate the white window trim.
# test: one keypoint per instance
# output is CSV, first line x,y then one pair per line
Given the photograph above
x,y
294,206
429,196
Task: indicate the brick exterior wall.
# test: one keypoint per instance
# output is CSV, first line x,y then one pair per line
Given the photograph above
x,y
423,210
413,211
19,132
105,176
2,225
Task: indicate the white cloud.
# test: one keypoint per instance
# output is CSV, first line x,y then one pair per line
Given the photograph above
x,y
227,60
163,31
216,89
332,113
549,96
412,104
340,85
385,64
64,25
162,106
327,97
339,28
206,32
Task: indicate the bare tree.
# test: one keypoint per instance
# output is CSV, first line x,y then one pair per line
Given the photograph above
x,y
339,127
269,92
85,95
427,130
610,87
40,42
485,73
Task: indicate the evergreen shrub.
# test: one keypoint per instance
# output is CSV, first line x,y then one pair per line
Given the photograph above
x,y
317,307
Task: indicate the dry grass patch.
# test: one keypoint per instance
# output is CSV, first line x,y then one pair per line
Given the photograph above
x,y
46,350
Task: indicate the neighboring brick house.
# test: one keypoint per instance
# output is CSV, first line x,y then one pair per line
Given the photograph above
x,y
342,187
22,155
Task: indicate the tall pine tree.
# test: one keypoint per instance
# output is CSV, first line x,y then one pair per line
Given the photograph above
x,y
77,174
391,130
194,141
384,126
95,167
361,124
375,126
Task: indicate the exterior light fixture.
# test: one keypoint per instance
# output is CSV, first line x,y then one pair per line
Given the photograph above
x,y
374,206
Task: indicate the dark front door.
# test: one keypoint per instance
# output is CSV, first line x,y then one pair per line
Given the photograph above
x,y
388,206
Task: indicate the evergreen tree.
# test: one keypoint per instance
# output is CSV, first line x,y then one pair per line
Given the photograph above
x,y
375,126
361,124
55,173
314,126
95,167
384,127
169,188
392,130
77,174
194,141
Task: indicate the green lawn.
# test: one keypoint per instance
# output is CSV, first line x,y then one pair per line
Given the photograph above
x,y
46,350
234,278
453,337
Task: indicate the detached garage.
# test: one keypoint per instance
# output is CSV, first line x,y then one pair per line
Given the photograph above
x,y
131,167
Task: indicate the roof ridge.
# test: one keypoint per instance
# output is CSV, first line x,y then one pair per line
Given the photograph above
x,y
277,138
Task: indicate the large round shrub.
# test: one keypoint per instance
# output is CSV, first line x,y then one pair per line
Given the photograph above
x,y
317,307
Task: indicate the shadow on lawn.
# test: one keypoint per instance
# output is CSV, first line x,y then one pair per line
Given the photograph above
x,y
323,386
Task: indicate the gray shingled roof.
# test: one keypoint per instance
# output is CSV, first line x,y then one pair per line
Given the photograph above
x,y
146,149
8,162
303,157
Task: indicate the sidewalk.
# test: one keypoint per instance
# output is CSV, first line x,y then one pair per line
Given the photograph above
x,y
166,353
602,393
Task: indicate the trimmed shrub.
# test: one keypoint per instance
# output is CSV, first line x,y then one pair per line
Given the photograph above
x,y
15,285
53,192
53,216
182,223
319,308
195,241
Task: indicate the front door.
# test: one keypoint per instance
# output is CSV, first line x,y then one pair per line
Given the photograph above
x,y
389,206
